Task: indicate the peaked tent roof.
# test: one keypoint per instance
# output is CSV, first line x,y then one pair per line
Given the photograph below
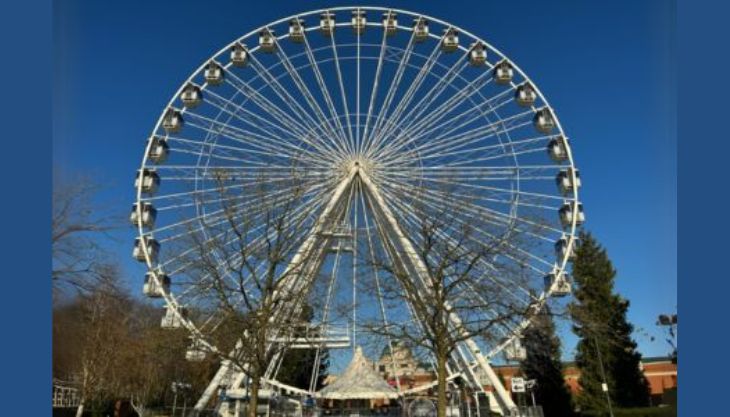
x,y
359,381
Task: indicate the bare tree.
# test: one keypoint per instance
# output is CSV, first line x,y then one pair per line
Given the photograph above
x,y
75,227
458,286
248,268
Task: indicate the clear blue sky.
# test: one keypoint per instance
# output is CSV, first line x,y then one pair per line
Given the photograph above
x,y
606,67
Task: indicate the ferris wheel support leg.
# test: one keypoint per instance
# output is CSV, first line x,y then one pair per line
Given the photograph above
x,y
506,404
308,247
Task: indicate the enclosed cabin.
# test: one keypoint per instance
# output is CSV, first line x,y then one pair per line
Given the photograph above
x,y
390,22
195,352
544,121
568,180
172,122
144,247
557,148
239,55
563,249
327,23
145,213
478,54
359,21
525,95
570,211
420,29
503,73
558,283
296,30
172,319
450,41
158,150
147,180
514,351
213,73
191,96
267,40
156,284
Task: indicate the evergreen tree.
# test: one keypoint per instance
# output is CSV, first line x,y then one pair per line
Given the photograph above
x,y
543,363
605,351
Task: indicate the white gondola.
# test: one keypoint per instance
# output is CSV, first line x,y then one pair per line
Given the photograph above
x,y
558,149
195,352
267,40
152,249
239,55
420,29
544,120
158,150
525,95
327,23
156,288
296,30
558,283
191,96
148,215
478,54
171,320
213,73
561,249
358,21
450,41
149,180
390,22
514,351
173,121
503,73
568,180
570,211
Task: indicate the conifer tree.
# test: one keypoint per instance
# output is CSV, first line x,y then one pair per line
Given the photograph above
x,y
606,352
543,364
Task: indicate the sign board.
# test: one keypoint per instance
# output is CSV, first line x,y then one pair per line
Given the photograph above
x,y
518,385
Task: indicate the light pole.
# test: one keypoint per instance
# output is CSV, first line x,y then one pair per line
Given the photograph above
x,y
604,384
670,321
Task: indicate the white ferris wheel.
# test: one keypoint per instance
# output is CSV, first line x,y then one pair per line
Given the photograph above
x,y
366,104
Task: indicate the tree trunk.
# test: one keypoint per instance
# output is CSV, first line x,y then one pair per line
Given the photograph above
x,y
253,401
80,409
441,387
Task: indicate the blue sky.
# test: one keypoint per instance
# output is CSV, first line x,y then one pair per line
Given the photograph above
x,y
606,67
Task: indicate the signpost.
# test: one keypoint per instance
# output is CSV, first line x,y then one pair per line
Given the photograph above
x,y
518,385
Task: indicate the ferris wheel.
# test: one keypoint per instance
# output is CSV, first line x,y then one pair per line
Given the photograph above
x,y
362,106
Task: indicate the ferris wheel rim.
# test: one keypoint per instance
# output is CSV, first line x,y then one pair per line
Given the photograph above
x,y
170,300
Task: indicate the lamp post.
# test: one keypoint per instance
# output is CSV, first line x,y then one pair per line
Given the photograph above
x,y
670,321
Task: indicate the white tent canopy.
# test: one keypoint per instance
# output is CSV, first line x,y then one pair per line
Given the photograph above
x,y
359,381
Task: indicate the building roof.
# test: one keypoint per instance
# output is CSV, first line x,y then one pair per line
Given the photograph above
x,y
359,381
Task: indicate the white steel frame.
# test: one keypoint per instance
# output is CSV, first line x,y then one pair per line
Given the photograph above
x,y
389,138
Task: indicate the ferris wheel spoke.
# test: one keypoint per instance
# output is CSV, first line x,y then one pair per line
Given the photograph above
x,y
300,213
374,89
312,102
220,216
412,218
282,137
325,93
390,95
300,127
257,144
293,104
468,220
408,95
429,123
472,114
489,150
411,118
226,152
343,95
450,142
